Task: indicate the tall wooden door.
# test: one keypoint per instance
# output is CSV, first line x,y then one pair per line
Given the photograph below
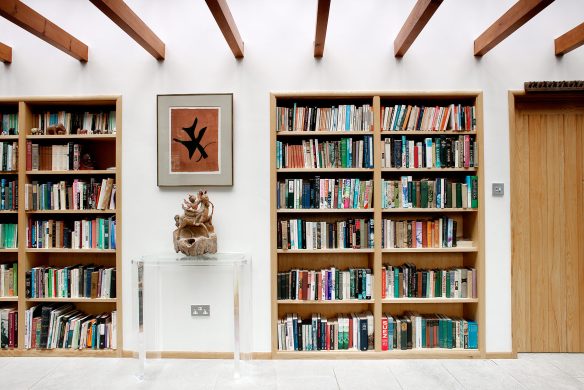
x,y
547,223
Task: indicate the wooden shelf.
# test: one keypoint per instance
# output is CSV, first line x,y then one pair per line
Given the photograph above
x,y
61,352
430,300
343,354
428,210
8,299
432,353
8,212
427,132
428,169
430,250
317,170
71,212
299,251
8,172
9,250
321,211
8,138
335,302
80,172
68,137
320,133
69,250
73,300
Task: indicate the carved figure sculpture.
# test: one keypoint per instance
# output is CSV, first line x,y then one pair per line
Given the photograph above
x,y
194,233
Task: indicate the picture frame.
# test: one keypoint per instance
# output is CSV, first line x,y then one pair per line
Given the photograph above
x,y
195,140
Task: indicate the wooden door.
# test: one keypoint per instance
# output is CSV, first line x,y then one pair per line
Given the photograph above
x,y
547,223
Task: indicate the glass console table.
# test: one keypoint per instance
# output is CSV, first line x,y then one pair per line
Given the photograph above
x,y
147,299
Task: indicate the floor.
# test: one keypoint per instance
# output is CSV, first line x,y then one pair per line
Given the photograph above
x,y
529,371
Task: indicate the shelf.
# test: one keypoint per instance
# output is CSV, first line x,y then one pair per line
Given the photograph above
x,y
335,302
317,170
346,354
69,250
73,300
430,250
428,210
61,352
9,250
319,133
71,212
8,299
8,212
428,169
427,353
8,172
430,300
427,132
349,251
80,172
88,137
8,138
319,211
371,354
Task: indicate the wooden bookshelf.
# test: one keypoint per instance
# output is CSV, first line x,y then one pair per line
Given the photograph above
x,y
471,229
107,152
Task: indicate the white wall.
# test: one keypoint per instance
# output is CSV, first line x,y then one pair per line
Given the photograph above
x,y
278,39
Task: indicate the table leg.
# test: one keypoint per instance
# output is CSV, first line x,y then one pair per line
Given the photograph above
x,y
141,338
236,322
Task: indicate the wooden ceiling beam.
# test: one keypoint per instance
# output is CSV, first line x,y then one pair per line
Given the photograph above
x,y
127,20
322,15
224,19
5,53
569,41
22,15
419,17
519,14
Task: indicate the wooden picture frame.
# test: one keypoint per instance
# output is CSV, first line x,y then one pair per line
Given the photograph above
x,y
195,134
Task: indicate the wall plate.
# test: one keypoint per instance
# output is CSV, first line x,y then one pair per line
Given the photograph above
x,y
498,189
200,310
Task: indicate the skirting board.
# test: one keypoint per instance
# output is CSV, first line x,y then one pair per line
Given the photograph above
x,y
197,355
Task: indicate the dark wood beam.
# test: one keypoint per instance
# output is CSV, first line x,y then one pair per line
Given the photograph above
x,y
569,41
420,15
22,15
519,14
226,24
5,53
322,14
127,20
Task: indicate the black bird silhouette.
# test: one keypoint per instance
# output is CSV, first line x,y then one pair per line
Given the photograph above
x,y
194,143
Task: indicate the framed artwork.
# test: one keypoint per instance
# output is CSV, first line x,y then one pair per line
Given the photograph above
x,y
195,134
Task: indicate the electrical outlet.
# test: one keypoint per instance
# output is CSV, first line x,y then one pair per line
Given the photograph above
x,y
498,189
200,310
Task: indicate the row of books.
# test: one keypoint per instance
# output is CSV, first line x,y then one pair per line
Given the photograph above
x,y
317,333
51,326
53,157
406,281
428,118
416,331
439,152
302,234
343,153
320,193
99,233
344,117
441,193
9,280
8,328
104,121
76,281
329,284
8,123
79,194
8,194
8,156
8,236
421,233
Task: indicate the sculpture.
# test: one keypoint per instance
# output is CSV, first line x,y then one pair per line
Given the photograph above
x,y
194,234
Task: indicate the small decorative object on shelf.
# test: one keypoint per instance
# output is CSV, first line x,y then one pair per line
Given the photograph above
x,y
195,234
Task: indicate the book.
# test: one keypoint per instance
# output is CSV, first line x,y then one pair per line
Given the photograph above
x,y
350,233
318,193
437,152
437,233
325,284
343,117
78,234
72,194
101,122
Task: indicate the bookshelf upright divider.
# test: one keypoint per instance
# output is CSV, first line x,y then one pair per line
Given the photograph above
x,y
444,257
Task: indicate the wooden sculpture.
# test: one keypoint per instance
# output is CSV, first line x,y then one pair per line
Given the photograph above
x,y
195,234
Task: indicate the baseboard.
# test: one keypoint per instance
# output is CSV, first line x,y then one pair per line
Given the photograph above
x,y
198,355
501,355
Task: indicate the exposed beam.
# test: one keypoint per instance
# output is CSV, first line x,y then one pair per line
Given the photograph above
x,y
127,20
5,53
322,14
519,14
420,15
225,21
569,41
22,15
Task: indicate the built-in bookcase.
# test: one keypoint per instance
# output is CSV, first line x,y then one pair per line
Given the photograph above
x,y
458,174
104,147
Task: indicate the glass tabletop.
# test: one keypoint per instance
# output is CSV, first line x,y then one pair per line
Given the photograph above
x,y
180,259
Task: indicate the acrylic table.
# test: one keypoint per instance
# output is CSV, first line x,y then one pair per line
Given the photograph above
x,y
148,286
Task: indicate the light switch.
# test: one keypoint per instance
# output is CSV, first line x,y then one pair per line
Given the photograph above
x,y
498,189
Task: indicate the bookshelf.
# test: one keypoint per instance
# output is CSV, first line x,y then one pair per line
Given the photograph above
x,y
106,152
470,224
